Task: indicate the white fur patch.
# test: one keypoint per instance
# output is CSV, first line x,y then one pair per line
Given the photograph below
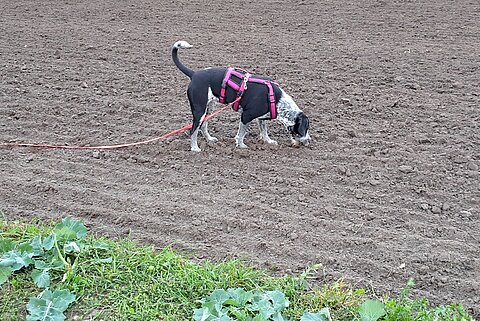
x,y
287,110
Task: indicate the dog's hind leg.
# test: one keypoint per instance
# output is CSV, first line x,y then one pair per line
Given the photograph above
x,y
212,100
194,137
198,104
242,131
206,134
262,124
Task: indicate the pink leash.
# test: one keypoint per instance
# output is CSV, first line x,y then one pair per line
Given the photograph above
x,y
5,145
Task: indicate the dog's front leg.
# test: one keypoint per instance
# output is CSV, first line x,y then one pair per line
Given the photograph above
x,y
242,131
262,124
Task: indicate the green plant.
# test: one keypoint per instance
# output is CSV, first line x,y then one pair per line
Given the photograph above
x,y
120,280
241,305
58,251
408,309
49,306
371,310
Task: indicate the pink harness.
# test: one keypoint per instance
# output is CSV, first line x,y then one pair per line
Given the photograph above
x,y
240,89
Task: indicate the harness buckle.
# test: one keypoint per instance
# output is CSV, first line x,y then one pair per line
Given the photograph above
x,y
245,81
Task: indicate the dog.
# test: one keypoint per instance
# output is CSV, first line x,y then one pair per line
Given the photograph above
x,y
255,97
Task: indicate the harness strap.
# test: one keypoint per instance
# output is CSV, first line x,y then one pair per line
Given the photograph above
x,y
240,89
271,95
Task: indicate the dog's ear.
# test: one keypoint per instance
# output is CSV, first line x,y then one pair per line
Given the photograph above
x,y
301,125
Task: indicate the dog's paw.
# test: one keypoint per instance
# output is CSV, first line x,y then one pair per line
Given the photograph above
x,y
295,143
196,149
271,142
242,146
212,140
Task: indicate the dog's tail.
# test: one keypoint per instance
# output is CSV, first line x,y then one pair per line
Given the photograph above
x,y
181,44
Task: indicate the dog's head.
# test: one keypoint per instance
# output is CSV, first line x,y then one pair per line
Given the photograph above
x,y
299,131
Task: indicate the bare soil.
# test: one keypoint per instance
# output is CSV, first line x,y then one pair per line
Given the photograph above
x,y
388,190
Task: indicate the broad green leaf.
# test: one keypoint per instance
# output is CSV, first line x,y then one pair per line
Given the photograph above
x,y
201,314
264,307
41,265
25,247
16,260
240,314
41,278
278,317
278,299
240,296
50,306
259,317
69,230
6,245
37,246
48,242
100,246
41,310
322,315
219,296
5,272
62,299
72,247
371,310
55,263
213,308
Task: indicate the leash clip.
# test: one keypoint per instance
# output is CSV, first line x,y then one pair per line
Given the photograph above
x,y
245,80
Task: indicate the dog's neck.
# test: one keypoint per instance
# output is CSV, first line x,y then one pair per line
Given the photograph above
x,y
287,110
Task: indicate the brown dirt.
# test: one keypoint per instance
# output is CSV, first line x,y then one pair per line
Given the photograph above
x,y
388,190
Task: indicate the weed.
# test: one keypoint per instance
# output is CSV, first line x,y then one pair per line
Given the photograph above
x,y
119,280
407,309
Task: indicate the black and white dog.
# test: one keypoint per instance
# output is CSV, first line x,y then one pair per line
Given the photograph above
x,y
205,89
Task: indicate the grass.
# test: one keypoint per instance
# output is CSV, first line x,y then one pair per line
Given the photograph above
x,y
125,281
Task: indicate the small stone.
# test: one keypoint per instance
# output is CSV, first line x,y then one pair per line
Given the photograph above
x,y
332,138
445,207
359,195
405,169
425,206
348,172
402,266
424,140
457,85
465,214
84,85
370,206
374,182
413,86
472,166
342,170
329,209
459,159
96,154
352,133
436,209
